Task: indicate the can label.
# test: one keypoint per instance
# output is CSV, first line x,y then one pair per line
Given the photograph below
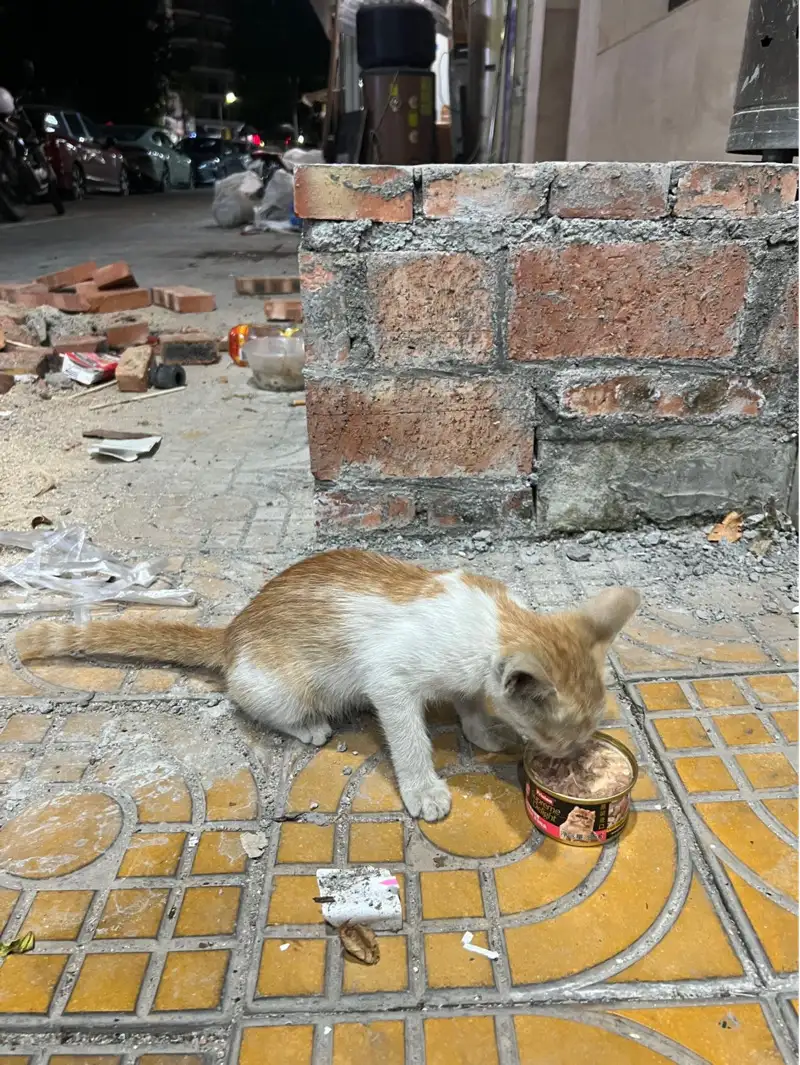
x,y
575,822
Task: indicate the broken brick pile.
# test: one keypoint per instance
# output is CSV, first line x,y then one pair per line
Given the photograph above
x,y
89,288
548,347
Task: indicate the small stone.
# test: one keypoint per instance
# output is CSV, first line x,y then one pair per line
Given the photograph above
x,y
47,708
483,534
755,578
755,519
702,615
313,805
751,534
347,771
578,553
652,539
589,536
341,747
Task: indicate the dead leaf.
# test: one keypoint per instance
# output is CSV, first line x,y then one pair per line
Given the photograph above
x,y
18,946
360,942
730,529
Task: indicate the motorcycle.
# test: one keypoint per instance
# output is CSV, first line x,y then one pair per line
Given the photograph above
x,y
25,174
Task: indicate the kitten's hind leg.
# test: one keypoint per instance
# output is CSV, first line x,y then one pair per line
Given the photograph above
x,y
403,720
266,699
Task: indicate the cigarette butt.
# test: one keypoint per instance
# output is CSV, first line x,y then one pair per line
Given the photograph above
x,y
297,403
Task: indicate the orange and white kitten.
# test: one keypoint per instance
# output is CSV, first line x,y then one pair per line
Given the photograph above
x,y
352,629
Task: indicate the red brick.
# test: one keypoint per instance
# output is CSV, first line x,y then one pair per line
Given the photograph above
x,y
431,307
267,286
277,309
188,349
610,190
71,276
123,299
133,370
359,510
639,395
488,191
379,193
745,190
25,360
437,427
26,294
14,329
648,301
74,302
128,335
183,299
87,342
115,275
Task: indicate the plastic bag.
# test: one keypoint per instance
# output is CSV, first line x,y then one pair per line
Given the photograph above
x,y
234,199
278,198
65,561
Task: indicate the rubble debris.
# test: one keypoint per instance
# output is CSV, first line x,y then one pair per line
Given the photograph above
x,y
88,368
126,450
64,561
184,300
133,370
365,895
72,275
267,286
730,529
128,335
95,342
188,349
360,942
14,329
577,552
467,944
19,361
115,275
253,843
281,309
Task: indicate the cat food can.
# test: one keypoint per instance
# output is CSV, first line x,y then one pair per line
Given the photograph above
x,y
576,821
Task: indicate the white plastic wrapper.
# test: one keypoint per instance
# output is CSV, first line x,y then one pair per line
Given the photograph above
x,y
234,199
66,562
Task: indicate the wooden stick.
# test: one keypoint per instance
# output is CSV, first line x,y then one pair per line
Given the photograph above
x,y
95,388
145,395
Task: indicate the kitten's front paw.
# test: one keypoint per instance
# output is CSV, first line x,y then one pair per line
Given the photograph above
x,y
320,734
431,802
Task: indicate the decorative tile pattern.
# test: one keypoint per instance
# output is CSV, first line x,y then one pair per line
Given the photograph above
x,y
148,910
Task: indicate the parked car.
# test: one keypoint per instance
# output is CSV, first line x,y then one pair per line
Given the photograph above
x,y
81,153
152,159
213,158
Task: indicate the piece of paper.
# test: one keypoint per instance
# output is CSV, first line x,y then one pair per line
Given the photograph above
x,y
361,896
126,450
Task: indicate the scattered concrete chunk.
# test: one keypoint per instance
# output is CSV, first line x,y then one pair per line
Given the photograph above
x,y
133,372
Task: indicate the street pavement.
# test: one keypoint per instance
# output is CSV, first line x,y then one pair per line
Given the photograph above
x,y
125,790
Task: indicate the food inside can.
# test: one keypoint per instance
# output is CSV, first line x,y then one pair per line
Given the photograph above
x,y
585,801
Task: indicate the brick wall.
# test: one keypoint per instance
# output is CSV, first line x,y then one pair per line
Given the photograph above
x,y
552,347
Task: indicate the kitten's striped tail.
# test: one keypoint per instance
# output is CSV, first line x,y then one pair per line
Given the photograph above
x,y
157,641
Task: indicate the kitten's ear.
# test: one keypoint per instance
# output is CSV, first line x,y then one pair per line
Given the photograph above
x,y
609,611
524,679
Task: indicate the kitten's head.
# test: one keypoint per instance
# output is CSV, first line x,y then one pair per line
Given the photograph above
x,y
549,687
